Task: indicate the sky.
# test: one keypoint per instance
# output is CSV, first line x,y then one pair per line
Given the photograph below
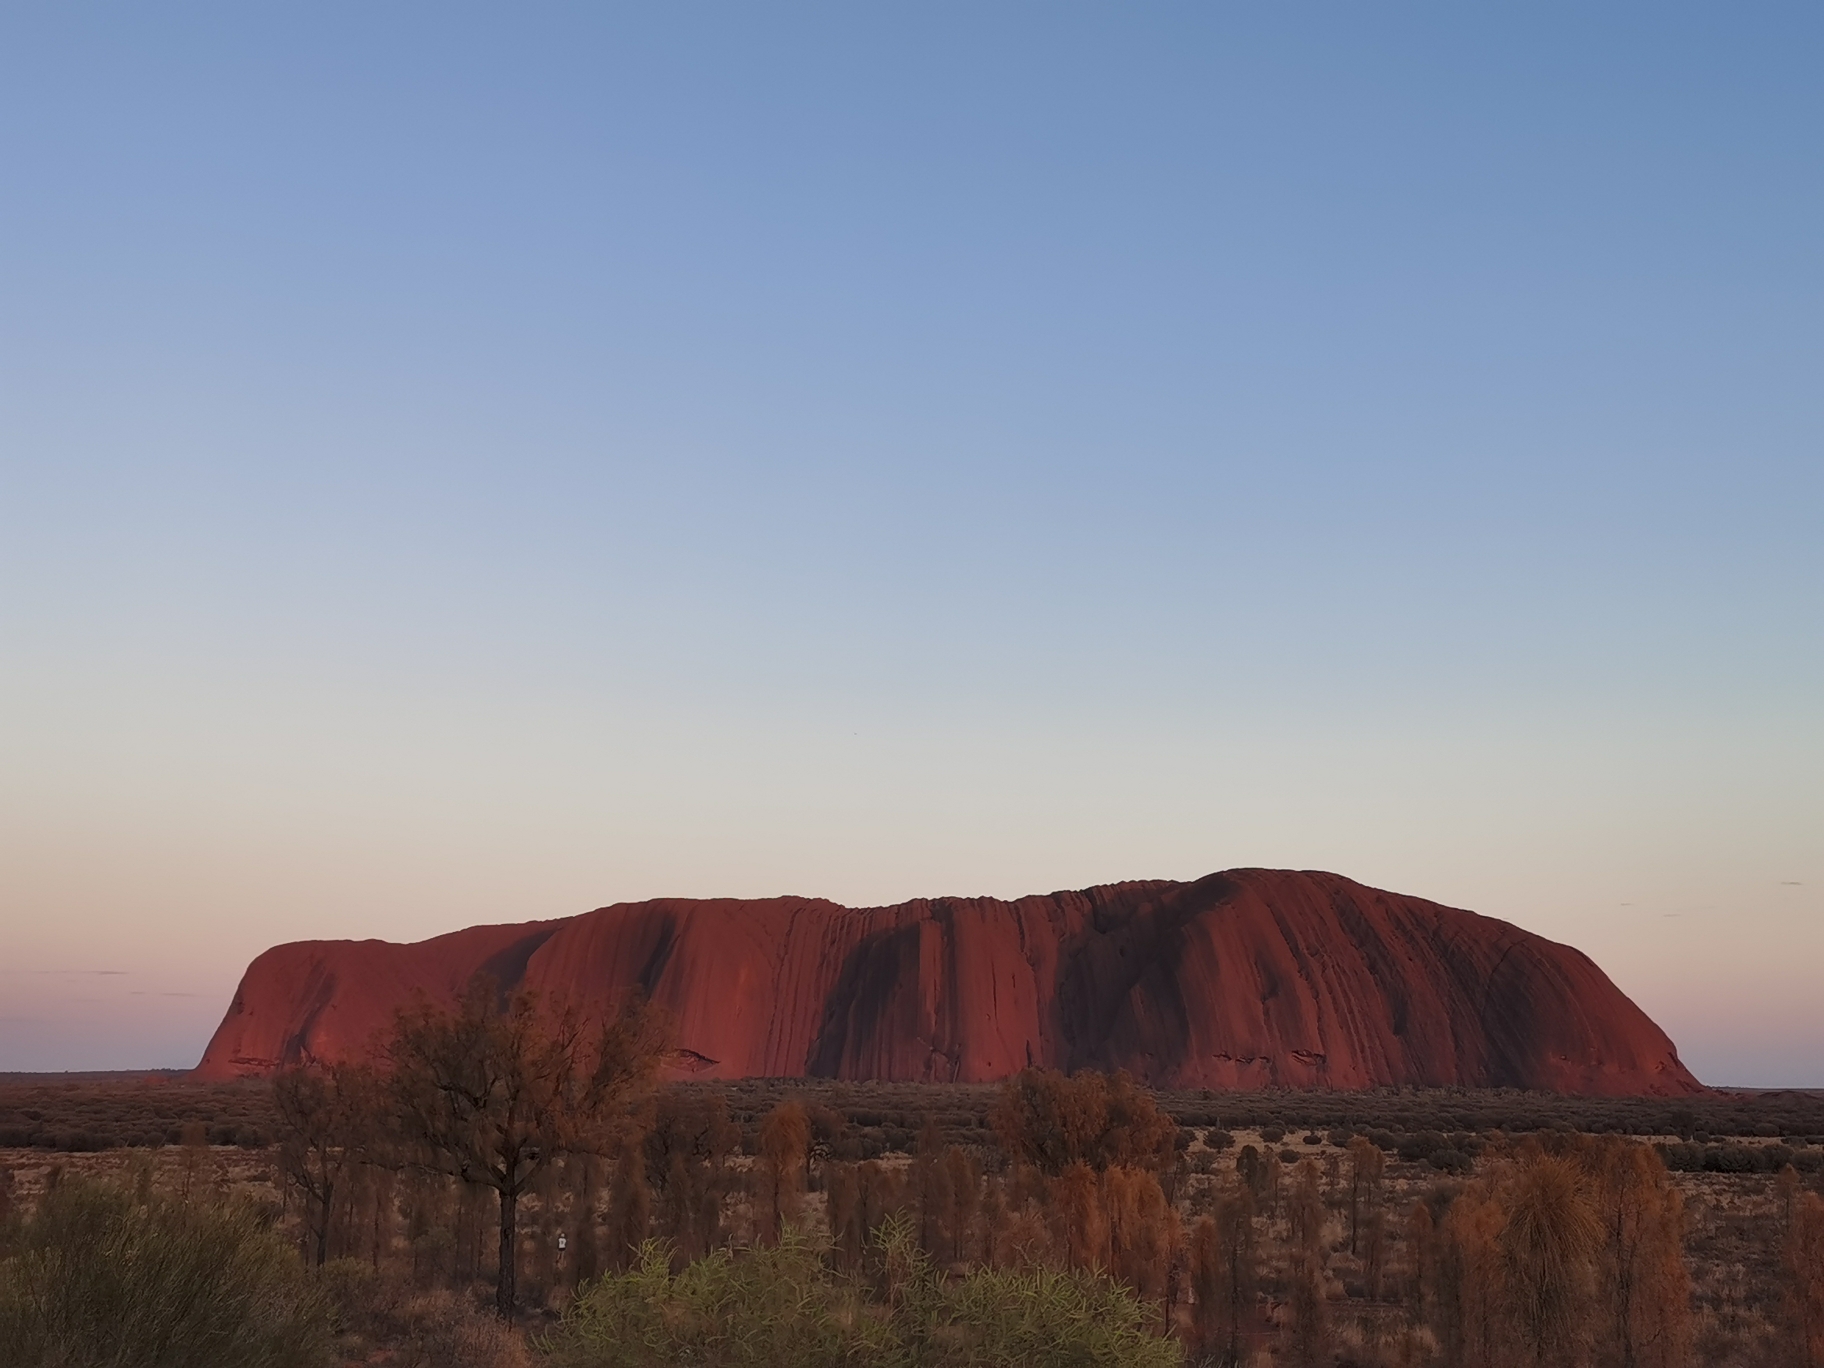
x,y
469,464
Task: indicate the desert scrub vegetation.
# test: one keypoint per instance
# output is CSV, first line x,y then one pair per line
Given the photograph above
x,y
381,1318
99,1275
499,1154
783,1306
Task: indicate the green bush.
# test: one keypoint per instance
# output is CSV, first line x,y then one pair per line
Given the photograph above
x,y
761,1308
1042,1318
781,1308
96,1278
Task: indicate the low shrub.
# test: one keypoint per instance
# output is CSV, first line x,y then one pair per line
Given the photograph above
x,y
782,1308
763,1308
416,1329
1417,1148
1732,1159
1682,1157
95,1277
1039,1318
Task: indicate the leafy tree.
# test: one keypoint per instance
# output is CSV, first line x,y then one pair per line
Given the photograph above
x,y
1251,1170
193,1158
1308,1270
1548,1248
426,1203
1644,1286
931,1188
490,1092
1305,1212
1366,1166
326,1116
629,1203
1470,1285
1224,1278
1309,1325
1050,1121
1143,1230
1420,1262
883,1194
964,1177
585,1174
1803,1257
688,1145
1272,1182
1079,1219
848,1235
785,1142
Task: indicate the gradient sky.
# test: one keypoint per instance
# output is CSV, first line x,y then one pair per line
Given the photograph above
x,y
464,465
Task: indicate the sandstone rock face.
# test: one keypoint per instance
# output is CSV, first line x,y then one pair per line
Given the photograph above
x,y
1246,979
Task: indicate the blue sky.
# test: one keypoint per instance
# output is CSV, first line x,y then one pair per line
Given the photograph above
x,y
471,465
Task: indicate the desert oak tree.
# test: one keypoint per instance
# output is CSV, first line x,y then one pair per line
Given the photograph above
x,y
492,1090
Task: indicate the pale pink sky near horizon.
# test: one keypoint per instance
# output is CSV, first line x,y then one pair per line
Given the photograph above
x,y
149,908
466,465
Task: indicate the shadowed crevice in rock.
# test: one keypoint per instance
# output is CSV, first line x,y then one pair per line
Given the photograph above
x,y
507,967
857,1014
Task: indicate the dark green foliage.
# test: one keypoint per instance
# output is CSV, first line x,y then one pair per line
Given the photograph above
x,y
1683,1157
1450,1161
140,1109
1417,1148
88,1114
96,1278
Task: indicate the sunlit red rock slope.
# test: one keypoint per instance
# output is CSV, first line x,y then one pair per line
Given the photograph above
x,y
1251,978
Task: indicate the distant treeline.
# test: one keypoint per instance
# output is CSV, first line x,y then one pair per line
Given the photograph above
x,y
885,1118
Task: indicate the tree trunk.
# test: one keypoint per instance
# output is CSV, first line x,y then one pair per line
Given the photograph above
x,y
323,1227
506,1288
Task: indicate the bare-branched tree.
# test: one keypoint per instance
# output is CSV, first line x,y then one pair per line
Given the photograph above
x,y
326,1121
492,1090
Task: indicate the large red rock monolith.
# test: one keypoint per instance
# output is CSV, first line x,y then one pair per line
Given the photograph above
x,y
1246,979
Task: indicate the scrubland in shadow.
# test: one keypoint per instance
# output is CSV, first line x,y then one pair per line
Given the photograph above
x,y
363,1216
100,1275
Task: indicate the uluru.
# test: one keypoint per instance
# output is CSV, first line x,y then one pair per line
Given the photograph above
x,y
1250,978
